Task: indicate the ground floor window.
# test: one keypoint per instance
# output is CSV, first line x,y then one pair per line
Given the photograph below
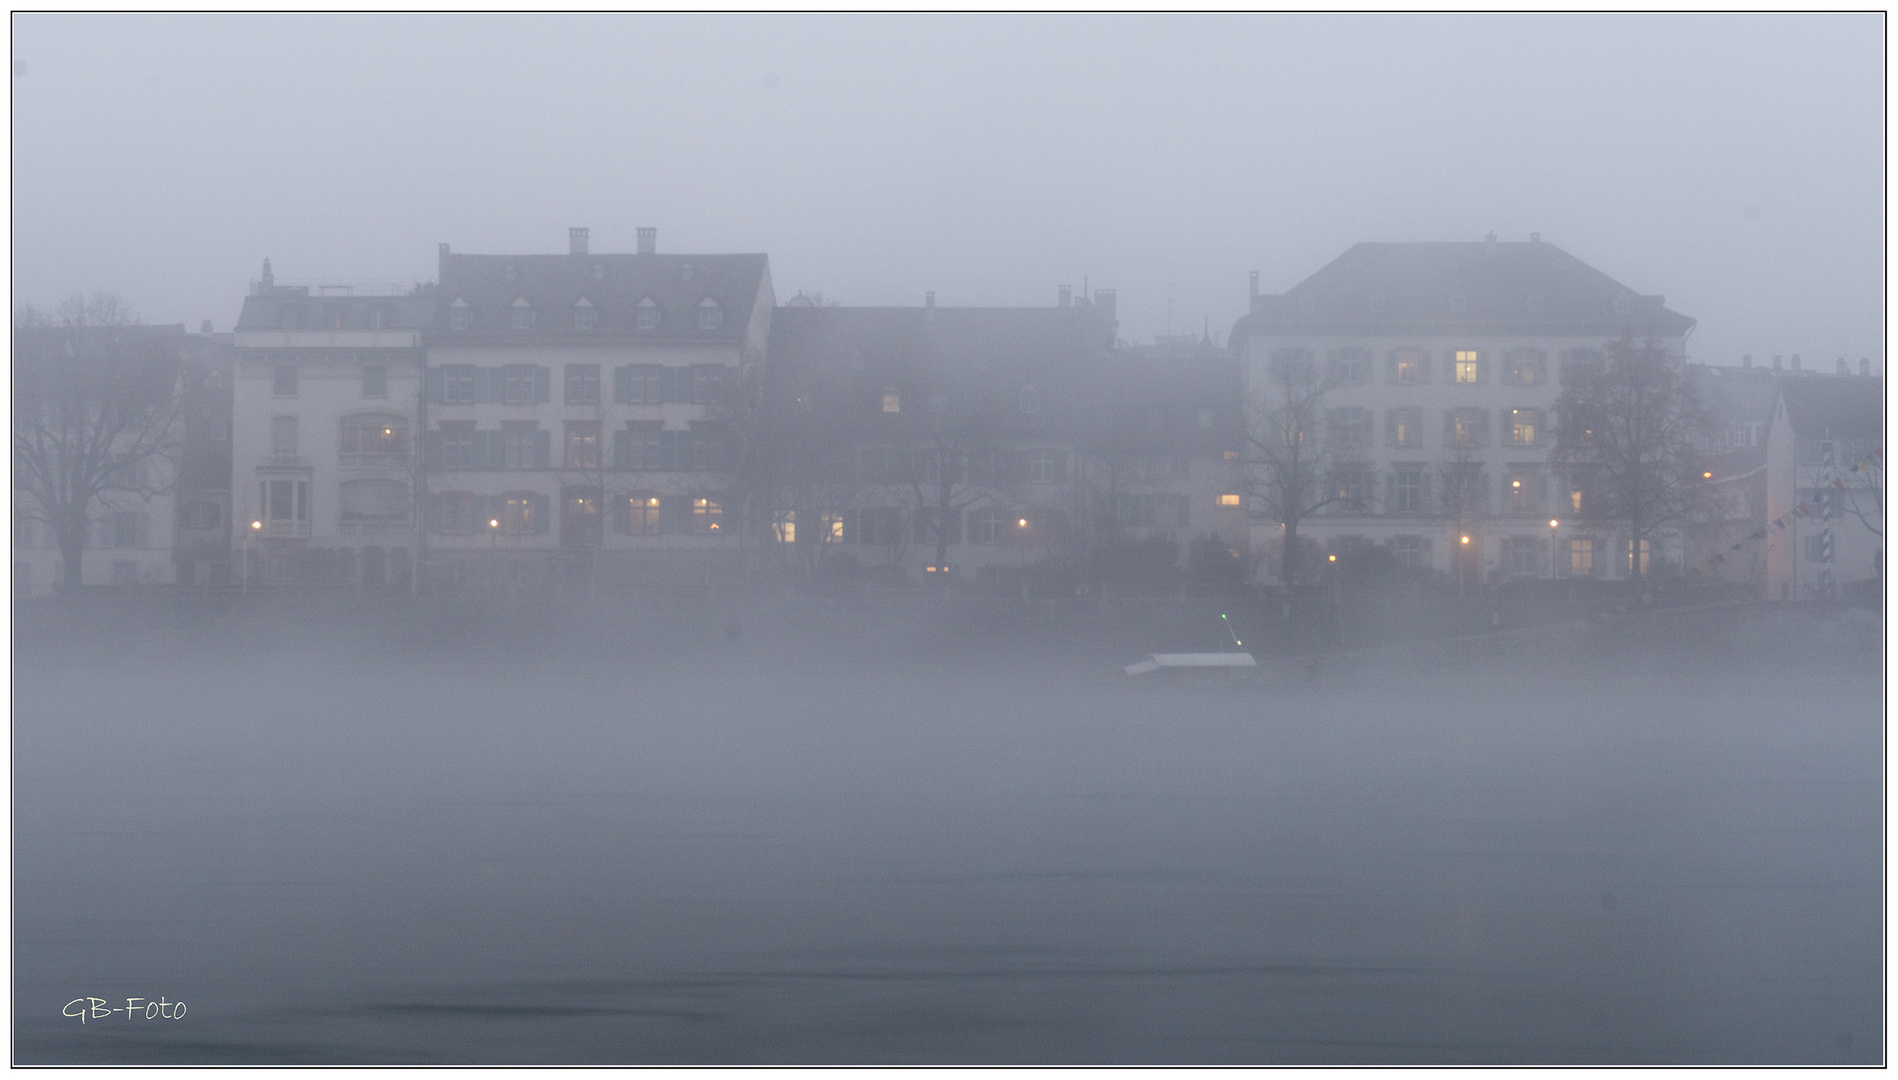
x,y
1411,551
1630,557
1581,557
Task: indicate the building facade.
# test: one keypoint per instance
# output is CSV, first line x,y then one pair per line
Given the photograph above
x,y
1825,487
1444,362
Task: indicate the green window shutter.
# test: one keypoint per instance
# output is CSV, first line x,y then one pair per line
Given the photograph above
x,y
543,384
543,449
622,386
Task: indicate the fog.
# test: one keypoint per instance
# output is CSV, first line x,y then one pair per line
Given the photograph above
x,y
1732,162
935,833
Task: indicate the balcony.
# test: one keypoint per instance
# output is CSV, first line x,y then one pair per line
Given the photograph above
x,y
285,530
373,462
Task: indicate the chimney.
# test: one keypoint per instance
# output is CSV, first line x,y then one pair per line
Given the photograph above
x,y
929,299
1842,368
1067,296
205,328
1746,361
577,240
269,281
1796,364
648,240
1864,365
1104,300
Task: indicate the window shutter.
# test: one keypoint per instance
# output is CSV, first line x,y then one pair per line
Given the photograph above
x,y
432,382
622,388
543,449
432,445
543,384
622,449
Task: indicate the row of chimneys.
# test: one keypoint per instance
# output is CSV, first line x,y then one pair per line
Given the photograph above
x,y
577,240
1842,368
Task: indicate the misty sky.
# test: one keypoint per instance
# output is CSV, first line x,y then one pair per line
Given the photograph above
x,y
1734,163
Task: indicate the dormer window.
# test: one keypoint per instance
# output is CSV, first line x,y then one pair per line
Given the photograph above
x,y
1030,400
522,314
585,315
648,318
710,314
460,315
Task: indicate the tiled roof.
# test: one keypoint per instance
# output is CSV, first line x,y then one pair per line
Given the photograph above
x,y
614,286
1487,286
287,308
1836,406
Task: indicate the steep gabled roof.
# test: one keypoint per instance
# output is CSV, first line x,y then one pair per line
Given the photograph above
x,y
1835,407
293,308
1486,287
613,285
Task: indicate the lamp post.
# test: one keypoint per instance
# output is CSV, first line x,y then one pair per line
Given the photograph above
x,y
1555,558
1021,553
243,585
494,545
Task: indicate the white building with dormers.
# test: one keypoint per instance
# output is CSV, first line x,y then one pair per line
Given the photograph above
x,y
1447,359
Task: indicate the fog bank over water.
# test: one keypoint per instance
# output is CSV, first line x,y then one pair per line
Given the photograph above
x,y
1572,848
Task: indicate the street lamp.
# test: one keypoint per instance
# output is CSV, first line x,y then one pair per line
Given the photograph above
x,y
1555,558
243,585
494,543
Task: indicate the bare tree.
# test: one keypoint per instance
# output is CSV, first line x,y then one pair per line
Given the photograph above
x,y
94,402
1626,424
1290,466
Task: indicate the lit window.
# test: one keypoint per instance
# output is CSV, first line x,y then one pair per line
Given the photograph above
x,y
1522,492
1229,502
1466,366
1522,426
1463,427
583,384
642,513
1581,557
1631,552
784,527
1523,367
517,512
707,517
892,401
1409,366
583,444
1401,428
1575,501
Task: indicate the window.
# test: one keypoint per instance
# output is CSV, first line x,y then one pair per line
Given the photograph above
x,y
1047,466
1523,556
458,384
460,315
710,315
1819,546
987,525
1350,426
579,517
520,445
1030,402
375,381
1407,491
583,384
1230,501
648,317
520,512
583,444
880,525
1464,427
1581,558
374,439
784,526
1403,427
642,514
1522,426
283,380
1411,551
1466,366
458,444
1629,552
1407,366
1522,491
585,316
1523,367
1575,502
521,315
283,438
892,400
517,383
1351,366
286,506
374,501
1351,484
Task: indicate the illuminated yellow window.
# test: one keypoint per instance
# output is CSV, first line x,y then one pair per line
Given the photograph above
x,y
1466,366
707,515
1581,557
1522,426
892,401
1229,501
1575,501
785,527
833,527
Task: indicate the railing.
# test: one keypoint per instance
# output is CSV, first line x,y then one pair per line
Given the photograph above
x,y
385,462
